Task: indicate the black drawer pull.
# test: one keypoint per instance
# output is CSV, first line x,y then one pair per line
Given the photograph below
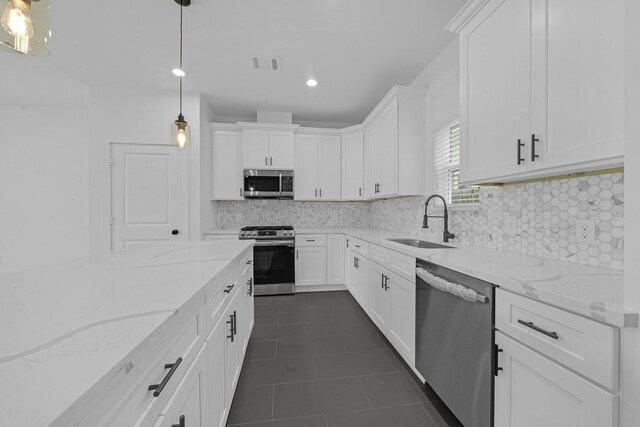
x,y
172,370
382,281
357,246
231,329
310,240
229,288
496,362
181,424
386,283
534,156
553,335
249,262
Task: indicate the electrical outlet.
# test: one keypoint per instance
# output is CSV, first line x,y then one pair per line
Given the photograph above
x,y
586,231
510,225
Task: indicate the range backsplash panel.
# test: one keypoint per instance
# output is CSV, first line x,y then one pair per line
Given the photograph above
x,y
546,214
299,214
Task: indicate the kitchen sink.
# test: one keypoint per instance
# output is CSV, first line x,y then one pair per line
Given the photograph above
x,y
420,244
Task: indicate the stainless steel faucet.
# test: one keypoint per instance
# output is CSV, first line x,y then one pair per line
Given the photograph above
x,y
446,234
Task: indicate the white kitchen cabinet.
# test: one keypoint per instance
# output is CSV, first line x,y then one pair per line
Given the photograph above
x,y
219,403
394,145
353,166
360,279
189,405
311,262
268,146
402,322
306,167
348,270
335,259
231,350
541,88
531,391
389,150
318,167
227,165
380,306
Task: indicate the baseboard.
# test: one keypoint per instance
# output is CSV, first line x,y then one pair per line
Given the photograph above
x,y
319,288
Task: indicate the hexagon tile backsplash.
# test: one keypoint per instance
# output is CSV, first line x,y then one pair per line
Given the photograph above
x,y
546,214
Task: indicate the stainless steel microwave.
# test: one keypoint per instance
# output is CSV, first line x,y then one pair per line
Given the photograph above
x,y
268,184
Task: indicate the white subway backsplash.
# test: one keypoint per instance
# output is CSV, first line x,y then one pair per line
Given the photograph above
x,y
299,214
546,214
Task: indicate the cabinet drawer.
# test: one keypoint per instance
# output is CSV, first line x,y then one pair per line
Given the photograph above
x,y
403,265
358,246
140,407
311,240
245,263
219,293
586,346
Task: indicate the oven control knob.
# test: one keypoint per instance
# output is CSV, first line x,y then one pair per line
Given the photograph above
x,y
243,233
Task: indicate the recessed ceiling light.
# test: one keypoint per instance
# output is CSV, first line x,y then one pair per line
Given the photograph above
x,y
178,72
312,83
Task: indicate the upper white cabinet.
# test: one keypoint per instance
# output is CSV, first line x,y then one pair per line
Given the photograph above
x,y
318,167
353,166
394,144
227,164
541,88
268,146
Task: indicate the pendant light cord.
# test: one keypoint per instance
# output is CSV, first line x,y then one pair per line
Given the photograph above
x,y
181,7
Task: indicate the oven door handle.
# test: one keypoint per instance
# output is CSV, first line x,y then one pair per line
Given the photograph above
x,y
275,243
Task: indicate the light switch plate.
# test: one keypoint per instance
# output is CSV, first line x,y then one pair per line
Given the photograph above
x,y
586,231
510,225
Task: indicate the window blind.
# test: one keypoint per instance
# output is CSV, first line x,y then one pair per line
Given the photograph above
x,y
447,166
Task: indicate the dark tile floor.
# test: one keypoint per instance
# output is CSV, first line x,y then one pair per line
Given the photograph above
x,y
316,360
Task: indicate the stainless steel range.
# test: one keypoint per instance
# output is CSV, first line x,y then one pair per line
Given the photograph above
x,y
273,259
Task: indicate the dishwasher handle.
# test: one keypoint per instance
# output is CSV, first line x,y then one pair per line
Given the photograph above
x,y
441,284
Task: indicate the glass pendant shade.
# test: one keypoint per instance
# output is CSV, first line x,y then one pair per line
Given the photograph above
x,y
25,26
180,134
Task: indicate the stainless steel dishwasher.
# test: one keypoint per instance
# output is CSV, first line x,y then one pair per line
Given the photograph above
x,y
455,340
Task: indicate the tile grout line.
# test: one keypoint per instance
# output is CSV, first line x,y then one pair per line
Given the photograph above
x,y
273,402
365,393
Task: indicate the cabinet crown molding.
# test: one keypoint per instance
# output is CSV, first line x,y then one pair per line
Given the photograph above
x,y
267,126
395,92
225,126
467,12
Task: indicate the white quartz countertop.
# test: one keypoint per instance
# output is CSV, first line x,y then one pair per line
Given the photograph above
x,y
64,328
223,231
593,292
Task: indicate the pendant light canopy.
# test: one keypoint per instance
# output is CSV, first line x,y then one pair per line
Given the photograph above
x,y
180,134
25,26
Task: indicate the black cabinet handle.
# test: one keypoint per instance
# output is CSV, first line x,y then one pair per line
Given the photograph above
x,y
382,281
357,262
534,156
360,191
310,240
181,423
249,262
357,246
270,161
316,193
531,325
250,284
229,288
386,283
240,191
175,232
266,161
172,370
235,323
230,322
496,362
520,145
347,242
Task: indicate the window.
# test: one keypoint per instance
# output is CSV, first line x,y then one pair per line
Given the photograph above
x,y
447,165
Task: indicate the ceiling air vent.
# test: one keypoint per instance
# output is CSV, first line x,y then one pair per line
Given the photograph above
x,y
266,63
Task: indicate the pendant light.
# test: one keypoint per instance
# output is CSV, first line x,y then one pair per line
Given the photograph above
x,y
24,26
180,128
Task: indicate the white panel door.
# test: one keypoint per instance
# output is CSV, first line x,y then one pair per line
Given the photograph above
x,y
349,276
380,306
389,174
578,81
306,169
190,400
231,351
533,391
402,325
372,159
255,149
335,259
281,151
496,108
218,408
311,265
329,167
227,165
363,289
353,166
148,195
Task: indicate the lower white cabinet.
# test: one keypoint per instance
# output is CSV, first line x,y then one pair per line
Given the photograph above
x,y
380,307
189,405
311,264
532,390
360,278
402,325
335,259
219,404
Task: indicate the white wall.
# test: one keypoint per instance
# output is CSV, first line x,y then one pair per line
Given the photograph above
x,y
208,208
442,78
44,186
631,337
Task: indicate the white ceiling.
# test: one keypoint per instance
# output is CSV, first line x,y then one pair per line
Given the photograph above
x,y
356,49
